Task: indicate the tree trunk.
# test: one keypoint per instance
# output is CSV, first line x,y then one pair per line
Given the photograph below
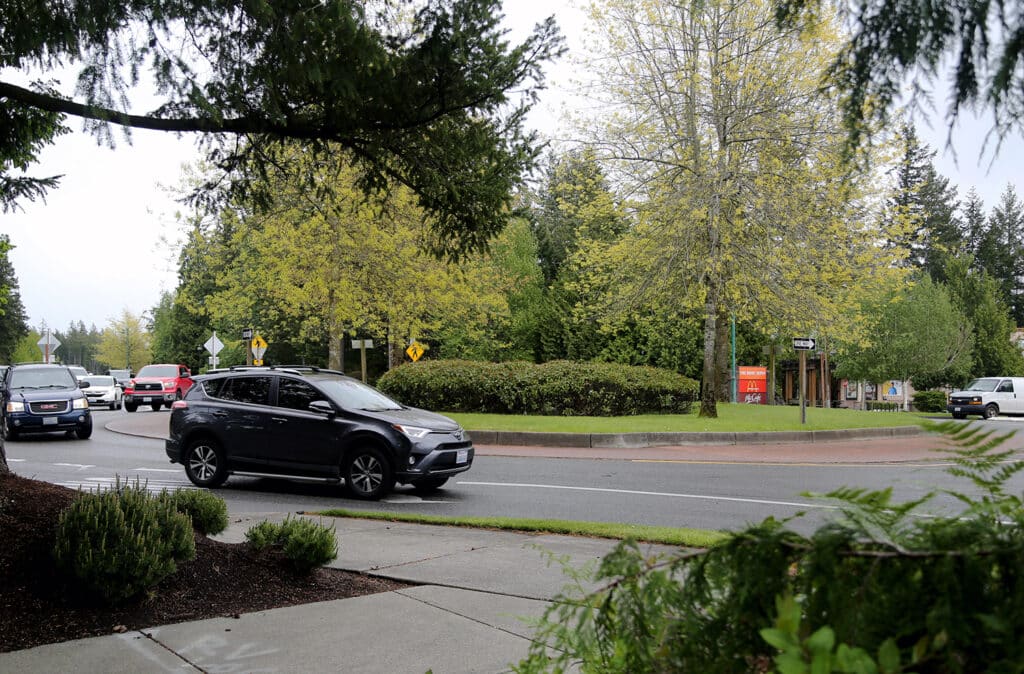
x,y
723,382
4,468
708,399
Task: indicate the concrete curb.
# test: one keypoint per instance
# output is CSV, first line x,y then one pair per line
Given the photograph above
x,y
634,440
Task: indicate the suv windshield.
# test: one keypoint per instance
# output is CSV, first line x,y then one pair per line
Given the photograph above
x,y
355,395
99,380
983,385
167,371
57,377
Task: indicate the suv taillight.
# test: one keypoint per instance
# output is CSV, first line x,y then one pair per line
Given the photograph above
x,y
179,405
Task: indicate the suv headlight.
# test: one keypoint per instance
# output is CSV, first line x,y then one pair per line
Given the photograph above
x,y
80,404
15,407
168,385
412,431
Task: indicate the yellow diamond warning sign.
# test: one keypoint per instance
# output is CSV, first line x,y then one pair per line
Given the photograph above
x,y
415,350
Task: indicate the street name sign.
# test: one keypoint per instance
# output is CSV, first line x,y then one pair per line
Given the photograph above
x,y
803,343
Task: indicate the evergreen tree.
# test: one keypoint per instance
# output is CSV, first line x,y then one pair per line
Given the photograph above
x,y
13,321
576,208
431,95
1003,250
973,224
925,203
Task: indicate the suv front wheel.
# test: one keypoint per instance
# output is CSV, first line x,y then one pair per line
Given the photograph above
x,y
204,463
367,473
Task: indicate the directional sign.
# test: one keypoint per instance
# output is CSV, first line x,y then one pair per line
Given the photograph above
x,y
213,345
415,350
258,343
257,353
247,333
803,343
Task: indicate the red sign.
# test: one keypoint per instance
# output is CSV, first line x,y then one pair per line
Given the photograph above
x,y
753,385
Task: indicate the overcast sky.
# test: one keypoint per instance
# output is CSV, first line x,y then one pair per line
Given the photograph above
x,y
99,244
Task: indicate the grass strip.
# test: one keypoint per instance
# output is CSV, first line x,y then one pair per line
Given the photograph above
x,y
693,538
731,418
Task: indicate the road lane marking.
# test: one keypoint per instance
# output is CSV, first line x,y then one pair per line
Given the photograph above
x,y
79,466
700,497
800,464
157,470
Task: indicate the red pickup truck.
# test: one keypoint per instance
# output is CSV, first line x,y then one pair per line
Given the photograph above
x,y
157,385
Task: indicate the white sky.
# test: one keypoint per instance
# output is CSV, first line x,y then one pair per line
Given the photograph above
x,y
98,245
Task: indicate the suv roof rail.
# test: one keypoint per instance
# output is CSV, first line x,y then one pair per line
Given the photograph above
x,y
292,369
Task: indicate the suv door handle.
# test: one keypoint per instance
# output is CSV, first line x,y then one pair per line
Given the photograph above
x,y
280,420
220,414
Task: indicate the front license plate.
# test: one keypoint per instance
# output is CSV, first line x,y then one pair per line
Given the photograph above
x,y
49,421
462,456
147,400
956,409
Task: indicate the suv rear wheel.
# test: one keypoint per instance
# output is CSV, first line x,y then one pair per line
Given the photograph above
x,y
204,463
367,473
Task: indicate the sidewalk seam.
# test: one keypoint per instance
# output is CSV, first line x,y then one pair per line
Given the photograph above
x,y
170,650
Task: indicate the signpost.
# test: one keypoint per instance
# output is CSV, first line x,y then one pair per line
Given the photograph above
x,y
803,345
48,343
362,345
214,345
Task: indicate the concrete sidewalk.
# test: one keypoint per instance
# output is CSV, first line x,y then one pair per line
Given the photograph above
x,y
467,615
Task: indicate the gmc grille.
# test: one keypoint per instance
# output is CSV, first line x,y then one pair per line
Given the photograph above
x,y
49,407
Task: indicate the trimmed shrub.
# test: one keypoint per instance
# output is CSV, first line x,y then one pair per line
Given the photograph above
x,y
882,406
122,542
209,513
556,388
306,544
930,401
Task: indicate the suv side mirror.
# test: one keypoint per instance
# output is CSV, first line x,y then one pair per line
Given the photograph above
x,y
83,384
323,407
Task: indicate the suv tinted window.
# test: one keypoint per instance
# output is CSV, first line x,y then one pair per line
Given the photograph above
x,y
254,390
296,395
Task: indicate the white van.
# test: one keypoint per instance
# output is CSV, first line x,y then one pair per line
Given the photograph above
x,y
988,397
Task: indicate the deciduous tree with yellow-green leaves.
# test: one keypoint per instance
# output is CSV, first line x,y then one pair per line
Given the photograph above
x,y
342,265
125,343
713,123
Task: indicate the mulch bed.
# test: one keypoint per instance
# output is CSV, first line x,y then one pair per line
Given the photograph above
x,y
37,607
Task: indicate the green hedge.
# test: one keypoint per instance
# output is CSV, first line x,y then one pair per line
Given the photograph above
x,y
930,401
560,388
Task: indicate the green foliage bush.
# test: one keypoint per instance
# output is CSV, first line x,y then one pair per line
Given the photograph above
x,y
930,401
119,543
554,388
306,544
882,406
209,513
880,589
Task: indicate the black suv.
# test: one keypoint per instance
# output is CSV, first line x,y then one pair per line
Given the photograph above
x,y
40,398
311,424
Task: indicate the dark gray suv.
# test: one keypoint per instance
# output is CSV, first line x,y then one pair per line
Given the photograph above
x,y
311,424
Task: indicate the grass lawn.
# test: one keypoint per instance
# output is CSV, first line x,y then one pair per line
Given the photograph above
x,y
696,538
731,418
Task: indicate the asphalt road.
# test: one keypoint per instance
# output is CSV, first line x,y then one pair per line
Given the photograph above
x,y
705,495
